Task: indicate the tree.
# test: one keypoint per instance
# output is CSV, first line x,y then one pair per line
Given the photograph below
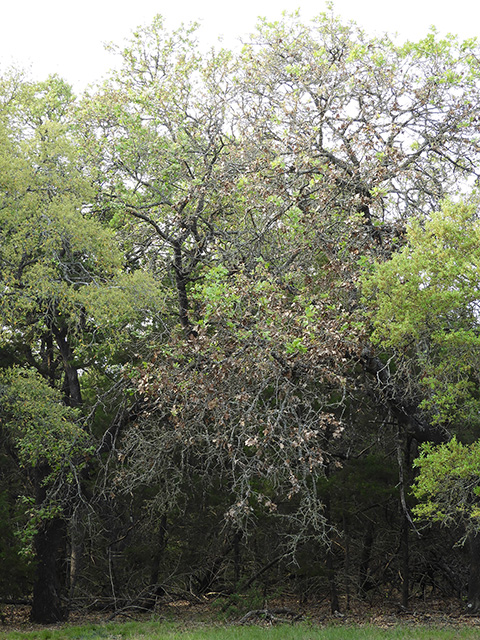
x,y
330,141
61,275
425,309
359,124
181,256
156,138
52,447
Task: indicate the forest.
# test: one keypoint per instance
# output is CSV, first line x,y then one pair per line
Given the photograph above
x,y
240,322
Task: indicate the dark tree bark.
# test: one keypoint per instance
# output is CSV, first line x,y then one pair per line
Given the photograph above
x,y
330,563
363,578
50,548
71,387
473,600
237,557
346,529
181,284
47,604
405,562
156,588
51,539
159,550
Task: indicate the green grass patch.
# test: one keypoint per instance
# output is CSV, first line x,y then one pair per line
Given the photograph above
x,y
304,631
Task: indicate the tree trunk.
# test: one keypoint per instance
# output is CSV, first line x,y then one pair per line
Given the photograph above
x,y
236,558
47,591
156,588
330,563
364,583
404,457
50,549
473,601
346,529
71,386
181,284
76,537
405,571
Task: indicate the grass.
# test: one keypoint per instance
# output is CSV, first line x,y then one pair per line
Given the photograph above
x,y
304,631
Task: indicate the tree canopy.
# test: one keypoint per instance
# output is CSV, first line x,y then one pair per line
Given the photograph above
x,y
238,291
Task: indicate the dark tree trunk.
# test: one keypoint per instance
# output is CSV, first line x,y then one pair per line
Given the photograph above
x,y
473,602
404,469
159,551
51,540
50,549
405,571
71,387
47,591
330,564
181,284
363,579
157,589
346,529
76,536
237,557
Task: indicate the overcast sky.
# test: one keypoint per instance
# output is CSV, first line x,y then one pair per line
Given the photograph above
x,y
55,36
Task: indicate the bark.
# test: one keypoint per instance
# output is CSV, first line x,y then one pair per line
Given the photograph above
x,y
51,540
364,582
50,549
181,284
346,529
77,537
47,604
405,570
156,588
237,557
330,564
159,551
473,599
71,387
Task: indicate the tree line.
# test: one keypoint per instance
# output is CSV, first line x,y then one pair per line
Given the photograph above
x,y
239,344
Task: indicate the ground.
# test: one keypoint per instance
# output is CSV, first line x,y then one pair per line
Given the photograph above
x,y
441,613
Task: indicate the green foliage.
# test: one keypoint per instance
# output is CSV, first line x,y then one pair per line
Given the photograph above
x,y
207,214
447,486
16,574
41,427
424,303
62,272
432,283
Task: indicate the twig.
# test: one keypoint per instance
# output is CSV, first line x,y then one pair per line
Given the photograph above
x,y
271,615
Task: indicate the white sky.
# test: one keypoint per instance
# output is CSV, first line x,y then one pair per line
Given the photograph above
x,y
57,36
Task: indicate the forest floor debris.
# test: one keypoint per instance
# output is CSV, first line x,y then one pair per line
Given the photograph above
x,y
382,613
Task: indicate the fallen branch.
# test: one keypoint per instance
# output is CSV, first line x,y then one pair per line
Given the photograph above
x,y
272,615
124,612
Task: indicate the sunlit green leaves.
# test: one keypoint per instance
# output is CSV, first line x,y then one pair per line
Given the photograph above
x,y
432,284
426,306
447,486
39,424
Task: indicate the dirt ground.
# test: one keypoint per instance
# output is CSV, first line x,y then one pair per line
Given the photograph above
x,y
441,613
